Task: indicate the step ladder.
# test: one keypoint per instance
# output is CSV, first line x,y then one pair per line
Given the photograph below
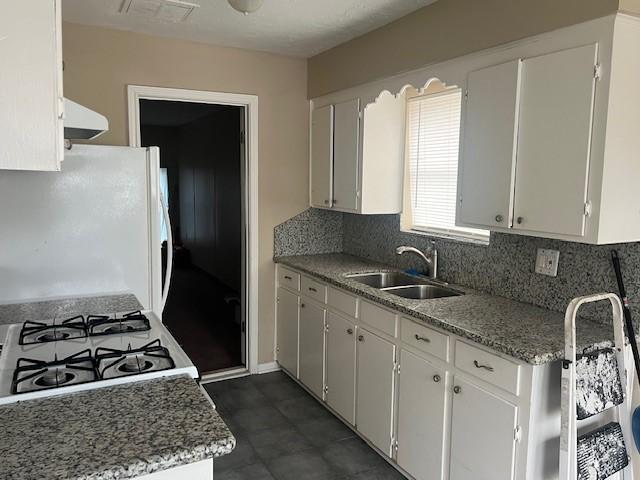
x,y
593,383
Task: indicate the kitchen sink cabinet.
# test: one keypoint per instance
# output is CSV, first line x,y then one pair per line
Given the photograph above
x,y
422,402
31,112
341,366
287,325
357,155
483,434
547,142
375,389
311,349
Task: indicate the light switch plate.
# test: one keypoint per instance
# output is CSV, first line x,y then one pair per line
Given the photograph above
x,y
547,262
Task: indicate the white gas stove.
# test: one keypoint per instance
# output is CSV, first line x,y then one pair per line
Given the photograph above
x,y
79,352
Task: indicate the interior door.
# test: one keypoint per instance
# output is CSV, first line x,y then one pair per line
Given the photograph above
x,y
421,417
346,137
554,139
489,147
287,318
374,410
482,435
341,366
312,346
322,157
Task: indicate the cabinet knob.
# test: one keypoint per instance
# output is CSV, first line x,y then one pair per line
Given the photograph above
x,y
302,305
499,218
437,378
457,389
350,331
520,220
361,338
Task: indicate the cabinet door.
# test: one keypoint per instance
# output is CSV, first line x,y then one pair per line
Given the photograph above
x,y
287,319
489,149
421,417
346,135
375,371
341,366
482,435
31,86
554,138
321,181
312,346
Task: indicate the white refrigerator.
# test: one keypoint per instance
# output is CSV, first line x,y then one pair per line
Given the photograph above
x,y
91,229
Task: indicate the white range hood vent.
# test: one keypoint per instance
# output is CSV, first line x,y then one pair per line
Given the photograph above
x,y
81,123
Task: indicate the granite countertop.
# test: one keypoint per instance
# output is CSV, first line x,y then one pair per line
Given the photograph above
x,y
523,331
43,309
109,433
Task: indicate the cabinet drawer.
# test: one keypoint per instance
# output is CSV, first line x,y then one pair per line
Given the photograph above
x,y
343,302
313,289
425,339
288,278
379,318
488,367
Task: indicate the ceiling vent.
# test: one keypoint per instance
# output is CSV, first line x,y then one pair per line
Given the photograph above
x,y
162,10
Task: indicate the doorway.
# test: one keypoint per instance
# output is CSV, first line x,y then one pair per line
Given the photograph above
x,y
205,167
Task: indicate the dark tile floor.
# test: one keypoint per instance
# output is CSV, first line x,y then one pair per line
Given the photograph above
x,y
283,433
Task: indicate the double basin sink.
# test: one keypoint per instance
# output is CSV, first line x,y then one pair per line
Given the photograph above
x,y
404,285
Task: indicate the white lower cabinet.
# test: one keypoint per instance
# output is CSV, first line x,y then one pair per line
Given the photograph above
x,y
311,350
421,417
287,324
483,434
375,392
341,366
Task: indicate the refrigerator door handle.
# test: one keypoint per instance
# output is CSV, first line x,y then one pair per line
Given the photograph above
x,y
167,275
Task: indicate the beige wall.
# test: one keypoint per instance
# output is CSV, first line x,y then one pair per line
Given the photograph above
x,y
443,30
100,63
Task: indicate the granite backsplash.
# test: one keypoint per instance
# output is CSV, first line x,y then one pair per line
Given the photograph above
x,y
504,268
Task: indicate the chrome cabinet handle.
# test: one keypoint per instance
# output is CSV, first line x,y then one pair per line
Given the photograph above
x,y
437,378
422,339
361,338
457,389
311,289
486,367
520,220
499,218
350,331
287,277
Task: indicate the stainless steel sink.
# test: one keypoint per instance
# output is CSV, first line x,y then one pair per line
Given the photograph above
x,y
422,292
387,279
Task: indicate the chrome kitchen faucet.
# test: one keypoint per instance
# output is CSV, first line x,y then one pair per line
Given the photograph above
x,y
431,258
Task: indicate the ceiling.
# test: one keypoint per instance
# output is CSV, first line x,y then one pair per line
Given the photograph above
x,y
300,28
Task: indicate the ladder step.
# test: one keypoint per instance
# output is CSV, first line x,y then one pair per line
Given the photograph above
x,y
598,385
601,453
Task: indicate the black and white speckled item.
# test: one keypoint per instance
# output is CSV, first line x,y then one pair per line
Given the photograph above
x,y
598,385
111,433
601,453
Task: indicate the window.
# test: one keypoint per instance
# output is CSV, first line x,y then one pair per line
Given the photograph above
x,y
433,138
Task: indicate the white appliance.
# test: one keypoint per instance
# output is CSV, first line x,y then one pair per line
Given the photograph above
x,y
81,122
47,357
93,228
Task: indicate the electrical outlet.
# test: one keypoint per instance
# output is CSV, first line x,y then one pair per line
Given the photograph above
x,y
547,262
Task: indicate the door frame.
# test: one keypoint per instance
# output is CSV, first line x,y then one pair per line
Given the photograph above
x,y
135,93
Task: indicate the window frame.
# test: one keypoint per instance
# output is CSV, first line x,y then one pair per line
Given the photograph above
x,y
456,233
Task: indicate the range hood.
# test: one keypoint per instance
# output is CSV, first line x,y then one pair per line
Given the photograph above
x,y
81,123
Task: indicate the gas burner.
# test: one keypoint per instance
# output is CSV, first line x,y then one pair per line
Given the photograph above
x,y
39,332
108,325
152,357
31,375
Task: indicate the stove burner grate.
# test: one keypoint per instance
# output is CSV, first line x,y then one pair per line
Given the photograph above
x,y
107,325
39,332
152,357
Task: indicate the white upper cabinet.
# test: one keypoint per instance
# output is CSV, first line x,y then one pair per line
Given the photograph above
x,y
322,155
489,145
548,142
31,104
357,155
554,139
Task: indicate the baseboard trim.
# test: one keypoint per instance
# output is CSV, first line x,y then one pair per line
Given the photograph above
x,y
268,367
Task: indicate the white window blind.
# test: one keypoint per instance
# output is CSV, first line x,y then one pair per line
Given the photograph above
x,y
433,125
